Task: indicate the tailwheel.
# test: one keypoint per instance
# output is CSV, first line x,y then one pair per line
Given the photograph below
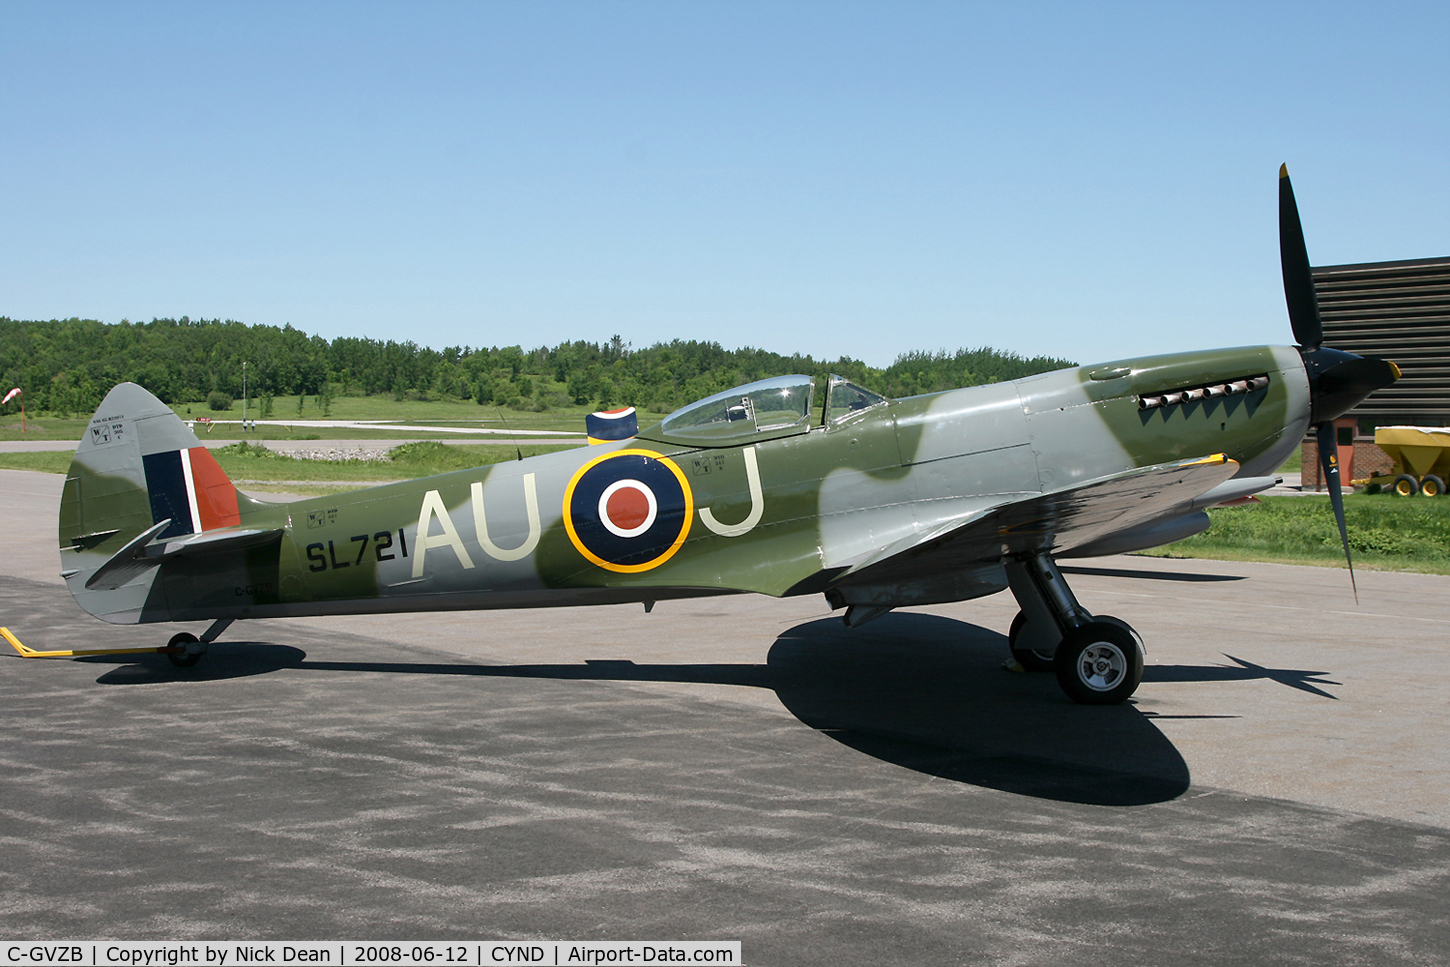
x,y
183,655
1031,659
1099,663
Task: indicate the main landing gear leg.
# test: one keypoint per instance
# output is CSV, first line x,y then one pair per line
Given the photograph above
x,y
187,648
1098,659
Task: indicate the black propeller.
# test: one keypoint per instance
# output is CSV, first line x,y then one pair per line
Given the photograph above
x,y
1337,380
1294,259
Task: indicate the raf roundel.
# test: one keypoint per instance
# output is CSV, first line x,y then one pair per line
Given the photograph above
x,y
629,510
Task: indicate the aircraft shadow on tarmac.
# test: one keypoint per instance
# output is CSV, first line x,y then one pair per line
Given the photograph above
x,y
924,692
929,693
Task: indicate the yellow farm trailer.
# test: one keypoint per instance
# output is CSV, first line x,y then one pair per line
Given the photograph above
x,y
1422,459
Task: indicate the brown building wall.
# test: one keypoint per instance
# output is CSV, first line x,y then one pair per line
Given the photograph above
x,y
1368,459
1399,311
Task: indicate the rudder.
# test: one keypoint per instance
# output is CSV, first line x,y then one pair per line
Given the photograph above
x,y
137,466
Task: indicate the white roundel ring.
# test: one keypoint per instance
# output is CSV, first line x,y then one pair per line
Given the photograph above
x,y
628,508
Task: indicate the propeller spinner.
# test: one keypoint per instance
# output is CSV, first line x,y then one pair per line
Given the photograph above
x,y
1337,380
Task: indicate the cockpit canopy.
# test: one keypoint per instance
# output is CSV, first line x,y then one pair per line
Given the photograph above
x,y
782,403
844,398
767,408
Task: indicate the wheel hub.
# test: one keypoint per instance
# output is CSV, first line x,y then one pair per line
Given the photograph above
x,y
1102,667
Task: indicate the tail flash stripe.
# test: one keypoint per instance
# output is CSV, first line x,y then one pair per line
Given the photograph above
x,y
170,496
214,497
190,490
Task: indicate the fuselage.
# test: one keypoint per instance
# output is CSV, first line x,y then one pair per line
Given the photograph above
x,y
778,510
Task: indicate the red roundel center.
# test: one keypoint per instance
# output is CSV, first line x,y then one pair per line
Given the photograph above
x,y
627,508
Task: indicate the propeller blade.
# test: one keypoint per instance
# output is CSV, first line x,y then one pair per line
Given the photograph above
x,y
1329,461
1294,260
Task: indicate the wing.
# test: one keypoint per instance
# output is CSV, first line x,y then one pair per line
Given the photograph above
x,y
1052,522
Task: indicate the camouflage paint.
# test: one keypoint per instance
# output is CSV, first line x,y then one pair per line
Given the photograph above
x,y
791,509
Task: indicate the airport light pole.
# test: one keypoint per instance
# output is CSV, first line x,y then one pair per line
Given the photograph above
x,y
244,396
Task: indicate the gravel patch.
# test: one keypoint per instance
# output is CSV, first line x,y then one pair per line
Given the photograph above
x,y
372,453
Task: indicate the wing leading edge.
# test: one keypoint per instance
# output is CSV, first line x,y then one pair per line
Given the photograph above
x,y
1052,522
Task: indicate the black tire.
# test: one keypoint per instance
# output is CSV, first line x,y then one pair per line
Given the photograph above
x,y
183,658
1030,659
1142,648
1099,663
1431,485
1405,486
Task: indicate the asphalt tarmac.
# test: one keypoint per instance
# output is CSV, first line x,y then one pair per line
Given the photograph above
x,y
745,768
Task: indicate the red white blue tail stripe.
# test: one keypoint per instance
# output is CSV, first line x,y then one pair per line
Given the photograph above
x,y
191,489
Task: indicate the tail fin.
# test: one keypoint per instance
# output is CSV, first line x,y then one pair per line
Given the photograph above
x,y
139,476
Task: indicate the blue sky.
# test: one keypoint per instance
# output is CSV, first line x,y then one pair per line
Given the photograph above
x,y
1091,180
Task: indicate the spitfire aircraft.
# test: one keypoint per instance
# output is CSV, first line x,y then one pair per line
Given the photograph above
x,y
780,487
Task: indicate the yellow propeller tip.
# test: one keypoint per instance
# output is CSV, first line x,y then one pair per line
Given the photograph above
x,y
1394,368
1283,171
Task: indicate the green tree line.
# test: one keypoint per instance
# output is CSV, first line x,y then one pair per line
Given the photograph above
x,y
66,367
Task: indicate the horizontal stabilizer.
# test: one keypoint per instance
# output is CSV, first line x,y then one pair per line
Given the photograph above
x,y
129,563
145,552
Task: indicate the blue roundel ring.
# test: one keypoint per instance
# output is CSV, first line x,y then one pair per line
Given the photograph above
x,y
628,511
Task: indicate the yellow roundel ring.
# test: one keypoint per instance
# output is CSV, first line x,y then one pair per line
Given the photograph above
x,y
628,511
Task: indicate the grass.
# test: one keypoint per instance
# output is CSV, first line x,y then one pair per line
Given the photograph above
x,y
566,418
71,430
44,428
264,469
250,461
563,419
46,461
1385,532
384,407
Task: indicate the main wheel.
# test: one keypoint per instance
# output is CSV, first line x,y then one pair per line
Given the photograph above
x,y
183,658
1431,485
1406,485
1099,663
1142,648
1030,659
